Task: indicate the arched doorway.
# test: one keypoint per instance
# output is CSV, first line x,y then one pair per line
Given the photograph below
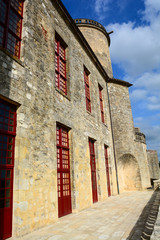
x,y
129,173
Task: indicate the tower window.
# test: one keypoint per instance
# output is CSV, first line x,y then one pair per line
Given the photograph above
x,y
11,15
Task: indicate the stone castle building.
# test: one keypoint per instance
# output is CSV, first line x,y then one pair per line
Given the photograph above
x,y
67,137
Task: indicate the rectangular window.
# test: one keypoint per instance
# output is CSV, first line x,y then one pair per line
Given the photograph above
x,y
107,170
60,65
87,90
101,103
63,172
11,15
93,171
7,146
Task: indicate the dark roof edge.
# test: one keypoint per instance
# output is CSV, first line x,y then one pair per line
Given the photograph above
x,y
84,42
120,82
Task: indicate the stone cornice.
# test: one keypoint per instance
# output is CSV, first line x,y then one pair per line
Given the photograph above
x,y
120,82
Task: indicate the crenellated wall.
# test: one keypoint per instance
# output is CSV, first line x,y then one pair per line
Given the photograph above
x,y
153,164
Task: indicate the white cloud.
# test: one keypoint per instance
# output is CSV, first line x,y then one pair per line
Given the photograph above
x,y
138,94
147,89
101,7
151,10
122,4
148,80
154,106
136,50
152,135
138,119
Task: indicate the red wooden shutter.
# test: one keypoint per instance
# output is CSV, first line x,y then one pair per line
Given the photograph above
x,y
60,66
63,172
107,170
101,103
7,145
93,171
87,91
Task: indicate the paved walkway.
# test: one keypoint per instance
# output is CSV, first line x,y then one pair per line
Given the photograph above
x,y
113,219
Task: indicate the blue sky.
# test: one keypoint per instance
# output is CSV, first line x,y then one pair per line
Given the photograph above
x,y
135,53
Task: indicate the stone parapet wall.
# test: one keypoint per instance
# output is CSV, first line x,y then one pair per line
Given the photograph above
x,y
139,137
153,164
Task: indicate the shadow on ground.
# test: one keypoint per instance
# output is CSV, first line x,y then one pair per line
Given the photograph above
x,y
145,224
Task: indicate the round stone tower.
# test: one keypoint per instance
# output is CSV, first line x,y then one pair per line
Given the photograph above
x,y
98,39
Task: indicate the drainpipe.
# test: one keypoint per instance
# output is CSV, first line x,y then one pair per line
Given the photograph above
x,y
114,151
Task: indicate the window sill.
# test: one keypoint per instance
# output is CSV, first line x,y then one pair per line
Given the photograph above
x,y
11,56
105,125
90,113
62,93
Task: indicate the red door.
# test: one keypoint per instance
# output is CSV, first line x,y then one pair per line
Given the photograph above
x,y
107,170
7,143
93,171
63,172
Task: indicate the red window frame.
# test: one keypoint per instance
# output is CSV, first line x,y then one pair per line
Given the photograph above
x,y
7,148
87,90
101,102
63,172
107,170
11,16
60,65
93,171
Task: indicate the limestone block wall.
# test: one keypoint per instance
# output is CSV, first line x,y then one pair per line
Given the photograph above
x,y
153,163
133,172
141,153
30,82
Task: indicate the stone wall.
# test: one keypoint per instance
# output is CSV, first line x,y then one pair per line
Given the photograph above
x,y
133,172
153,164
130,146
30,82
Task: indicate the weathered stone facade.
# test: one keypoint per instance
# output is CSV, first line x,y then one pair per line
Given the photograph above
x,y
29,83
130,145
153,164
